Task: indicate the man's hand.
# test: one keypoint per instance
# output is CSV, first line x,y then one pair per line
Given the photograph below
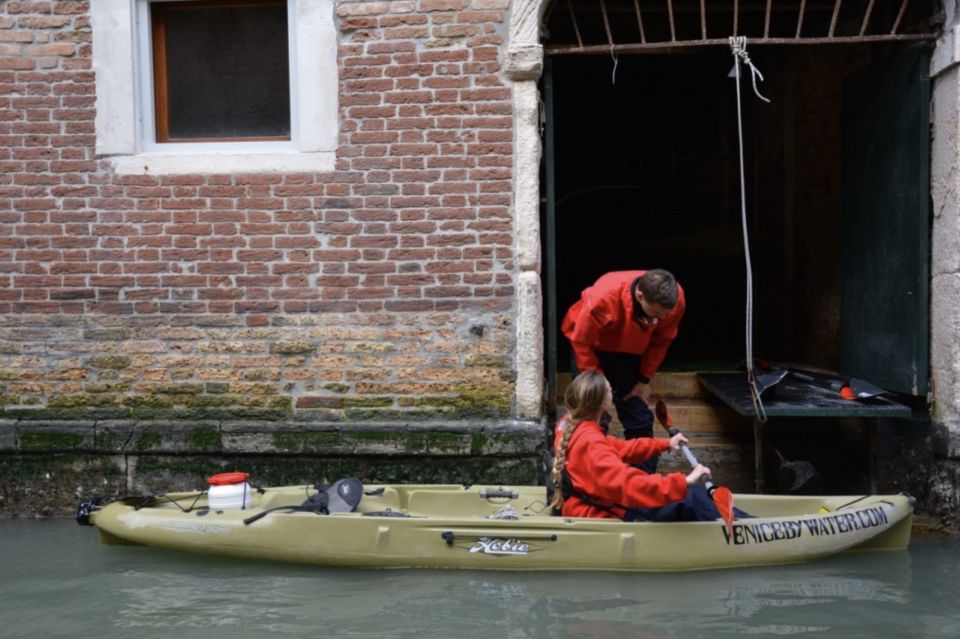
x,y
641,390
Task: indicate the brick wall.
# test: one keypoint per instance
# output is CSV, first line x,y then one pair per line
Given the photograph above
x,y
382,290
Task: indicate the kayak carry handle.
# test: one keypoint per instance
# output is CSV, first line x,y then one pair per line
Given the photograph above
x,y
449,536
498,493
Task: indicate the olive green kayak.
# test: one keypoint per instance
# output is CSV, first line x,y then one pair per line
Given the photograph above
x,y
498,528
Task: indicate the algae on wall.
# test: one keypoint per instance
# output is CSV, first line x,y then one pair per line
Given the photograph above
x,y
45,466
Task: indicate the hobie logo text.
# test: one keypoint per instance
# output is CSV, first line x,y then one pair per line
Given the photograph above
x,y
496,546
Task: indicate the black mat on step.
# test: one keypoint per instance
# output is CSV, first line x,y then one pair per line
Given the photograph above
x,y
796,398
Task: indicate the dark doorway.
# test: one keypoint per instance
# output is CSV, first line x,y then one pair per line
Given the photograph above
x,y
645,165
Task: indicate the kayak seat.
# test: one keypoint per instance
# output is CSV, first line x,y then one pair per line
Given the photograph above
x,y
342,496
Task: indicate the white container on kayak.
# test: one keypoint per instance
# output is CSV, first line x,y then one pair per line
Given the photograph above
x,y
229,491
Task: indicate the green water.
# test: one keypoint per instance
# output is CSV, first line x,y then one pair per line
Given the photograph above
x,y
57,581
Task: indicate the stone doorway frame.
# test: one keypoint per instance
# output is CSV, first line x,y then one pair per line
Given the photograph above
x,y
523,65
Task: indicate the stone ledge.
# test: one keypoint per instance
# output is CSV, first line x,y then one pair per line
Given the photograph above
x,y
130,437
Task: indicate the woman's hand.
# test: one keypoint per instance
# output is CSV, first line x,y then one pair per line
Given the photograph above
x,y
697,474
678,439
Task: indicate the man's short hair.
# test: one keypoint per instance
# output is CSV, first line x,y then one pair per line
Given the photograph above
x,y
659,287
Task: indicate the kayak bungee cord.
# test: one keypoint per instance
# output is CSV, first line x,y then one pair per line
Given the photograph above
x,y
162,498
738,47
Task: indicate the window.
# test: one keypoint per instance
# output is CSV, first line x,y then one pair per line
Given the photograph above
x,y
215,86
221,71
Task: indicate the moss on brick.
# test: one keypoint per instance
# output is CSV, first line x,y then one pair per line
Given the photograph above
x,y
337,388
179,389
292,348
255,388
147,403
485,360
109,361
263,402
216,388
482,400
471,401
107,387
107,334
75,401
372,347
371,401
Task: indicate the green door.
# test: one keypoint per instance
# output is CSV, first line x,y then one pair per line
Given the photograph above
x,y
886,202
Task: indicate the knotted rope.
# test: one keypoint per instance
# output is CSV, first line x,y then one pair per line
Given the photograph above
x,y
738,46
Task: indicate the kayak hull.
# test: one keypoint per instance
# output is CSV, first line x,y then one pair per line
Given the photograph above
x,y
439,526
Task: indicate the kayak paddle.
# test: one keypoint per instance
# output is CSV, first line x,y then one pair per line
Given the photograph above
x,y
722,497
855,388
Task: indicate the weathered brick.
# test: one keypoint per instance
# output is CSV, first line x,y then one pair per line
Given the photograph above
x,y
405,239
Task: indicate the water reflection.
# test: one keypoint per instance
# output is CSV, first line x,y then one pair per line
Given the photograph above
x,y
127,591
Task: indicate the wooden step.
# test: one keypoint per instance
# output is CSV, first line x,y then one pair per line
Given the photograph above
x,y
665,385
668,385
706,416
699,418
692,410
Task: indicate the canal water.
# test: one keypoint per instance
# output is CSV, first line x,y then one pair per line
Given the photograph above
x,y
57,581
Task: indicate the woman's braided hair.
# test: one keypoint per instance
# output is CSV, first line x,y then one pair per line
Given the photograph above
x,y
584,400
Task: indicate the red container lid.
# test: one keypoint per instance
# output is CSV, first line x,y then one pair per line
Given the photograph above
x,y
226,479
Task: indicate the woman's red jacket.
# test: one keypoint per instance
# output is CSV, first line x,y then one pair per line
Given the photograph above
x,y
599,466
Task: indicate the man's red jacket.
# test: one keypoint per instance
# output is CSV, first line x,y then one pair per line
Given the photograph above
x,y
598,465
603,320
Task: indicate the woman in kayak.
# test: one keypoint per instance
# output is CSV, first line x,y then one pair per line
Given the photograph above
x,y
592,471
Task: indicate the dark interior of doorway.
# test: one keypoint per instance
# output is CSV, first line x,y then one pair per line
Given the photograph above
x,y
647,176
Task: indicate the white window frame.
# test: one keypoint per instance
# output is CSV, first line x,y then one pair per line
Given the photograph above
x,y
122,61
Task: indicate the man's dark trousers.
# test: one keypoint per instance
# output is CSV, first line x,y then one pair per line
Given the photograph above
x,y
622,371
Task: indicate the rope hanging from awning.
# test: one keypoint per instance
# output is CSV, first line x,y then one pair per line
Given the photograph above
x,y
738,47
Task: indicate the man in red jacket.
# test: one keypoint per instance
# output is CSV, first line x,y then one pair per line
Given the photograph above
x,y
623,326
